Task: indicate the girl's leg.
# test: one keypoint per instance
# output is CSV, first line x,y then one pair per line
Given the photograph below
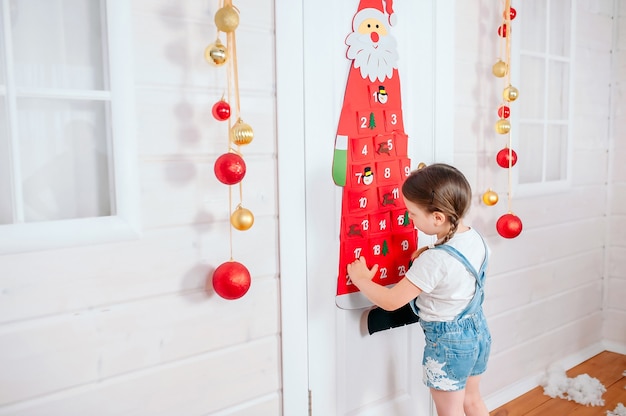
x,y
473,403
448,403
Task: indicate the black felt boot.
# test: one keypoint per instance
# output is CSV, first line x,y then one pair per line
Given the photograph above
x,y
379,319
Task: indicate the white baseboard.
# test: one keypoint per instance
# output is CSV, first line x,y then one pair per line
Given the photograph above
x,y
614,347
497,399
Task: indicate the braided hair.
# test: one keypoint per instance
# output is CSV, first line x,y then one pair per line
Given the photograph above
x,y
440,188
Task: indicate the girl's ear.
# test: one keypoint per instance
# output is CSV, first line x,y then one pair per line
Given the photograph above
x,y
440,217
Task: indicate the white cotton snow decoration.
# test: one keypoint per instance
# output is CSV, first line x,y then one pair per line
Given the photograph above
x,y
620,410
582,389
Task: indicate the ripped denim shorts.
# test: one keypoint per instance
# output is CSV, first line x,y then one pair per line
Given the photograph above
x,y
455,351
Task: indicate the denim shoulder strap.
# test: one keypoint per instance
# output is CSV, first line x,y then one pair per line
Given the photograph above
x,y
479,294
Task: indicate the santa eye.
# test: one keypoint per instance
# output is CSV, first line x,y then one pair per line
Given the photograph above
x,y
377,26
369,25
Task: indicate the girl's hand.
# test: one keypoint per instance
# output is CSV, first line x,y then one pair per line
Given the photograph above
x,y
359,272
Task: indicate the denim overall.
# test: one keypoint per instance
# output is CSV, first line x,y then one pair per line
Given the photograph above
x,y
457,349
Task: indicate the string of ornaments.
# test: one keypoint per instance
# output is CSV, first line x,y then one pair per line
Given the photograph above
x,y
508,225
231,280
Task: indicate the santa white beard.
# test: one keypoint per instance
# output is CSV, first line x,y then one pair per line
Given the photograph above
x,y
375,62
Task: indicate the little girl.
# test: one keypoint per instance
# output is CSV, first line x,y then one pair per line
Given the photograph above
x,y
444,286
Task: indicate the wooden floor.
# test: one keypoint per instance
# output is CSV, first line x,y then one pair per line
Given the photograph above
x,y
608,367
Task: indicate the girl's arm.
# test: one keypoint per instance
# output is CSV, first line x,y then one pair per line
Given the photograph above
x,y
388,299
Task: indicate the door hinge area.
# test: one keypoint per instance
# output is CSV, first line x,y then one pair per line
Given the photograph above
x,y
310,404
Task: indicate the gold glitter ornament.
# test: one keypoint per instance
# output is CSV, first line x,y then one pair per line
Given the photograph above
x,y
503,126
490,198
500,69
242,218
216,53
421,165
510,93
227,19
241,133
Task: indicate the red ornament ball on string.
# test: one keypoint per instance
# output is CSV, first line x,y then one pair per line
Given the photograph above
x,y
504,111
230,168
231,280
512,13
509,226
221,110
502,31
503,157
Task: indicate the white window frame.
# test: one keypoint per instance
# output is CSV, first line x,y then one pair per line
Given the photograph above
x,y
543,187
123,223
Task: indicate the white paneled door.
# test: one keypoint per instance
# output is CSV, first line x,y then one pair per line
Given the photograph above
x,y
348,372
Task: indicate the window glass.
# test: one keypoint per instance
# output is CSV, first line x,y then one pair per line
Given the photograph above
x,y
558,91
58,44
64,159
545,67
532,85
530,153
559,26
534,12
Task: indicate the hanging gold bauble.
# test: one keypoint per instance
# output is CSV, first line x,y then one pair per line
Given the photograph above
x,y
242,218
510,93
216,53
490,198
227,19
241,133
500,69
421,165
503,126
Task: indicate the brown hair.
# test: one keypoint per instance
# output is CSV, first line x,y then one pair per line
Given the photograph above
x,y
440,188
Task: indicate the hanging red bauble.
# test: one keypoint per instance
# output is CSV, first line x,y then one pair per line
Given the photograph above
x,y
230,168
503,157
502,31
509,226
512,13
231,280
504,111
221,110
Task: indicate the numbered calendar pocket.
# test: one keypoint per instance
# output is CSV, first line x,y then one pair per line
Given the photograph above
x,y
356,226
362,149
405,168
362,176
400,220
380,253
384,147
389,197
404,244
361,201
350,251
393,120
380,222
388,172
370,122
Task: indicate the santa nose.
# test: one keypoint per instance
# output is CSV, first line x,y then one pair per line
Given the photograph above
x,y
374,36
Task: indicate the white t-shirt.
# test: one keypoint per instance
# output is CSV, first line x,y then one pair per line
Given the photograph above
x,y
447,286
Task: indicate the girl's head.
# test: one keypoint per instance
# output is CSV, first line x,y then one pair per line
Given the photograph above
x,y
442,194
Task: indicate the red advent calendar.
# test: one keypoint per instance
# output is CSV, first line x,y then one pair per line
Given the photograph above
x,y
370,157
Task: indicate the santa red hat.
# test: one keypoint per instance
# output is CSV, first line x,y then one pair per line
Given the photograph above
x,y
374,9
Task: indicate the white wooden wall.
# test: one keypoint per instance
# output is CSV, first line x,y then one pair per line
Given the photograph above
x,y
556,292
128,329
